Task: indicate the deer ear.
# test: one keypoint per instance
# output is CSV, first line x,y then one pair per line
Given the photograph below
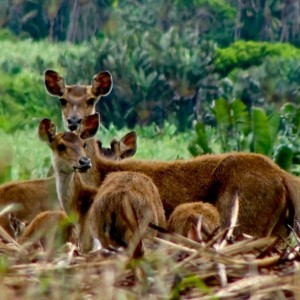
x,y
54,83
102,84
128,145
90,126
47,130
115,148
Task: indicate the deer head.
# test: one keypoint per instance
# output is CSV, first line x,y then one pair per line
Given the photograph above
x,y
124,148
68,148
77,101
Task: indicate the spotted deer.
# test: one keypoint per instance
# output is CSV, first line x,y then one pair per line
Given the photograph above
x,y
77,102
268,196
186,217
118,205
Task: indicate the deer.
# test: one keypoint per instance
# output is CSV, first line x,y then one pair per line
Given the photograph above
x,y
77,102
125,204
185,218
268,196
118,205
37,229
48,229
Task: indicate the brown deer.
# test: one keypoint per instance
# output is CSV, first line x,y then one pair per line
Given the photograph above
x,y
77,102
125,200
40,224
185,218
126,193
48,229
268,196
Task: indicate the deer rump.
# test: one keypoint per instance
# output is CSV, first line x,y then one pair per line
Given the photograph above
x,y
268,196
122,209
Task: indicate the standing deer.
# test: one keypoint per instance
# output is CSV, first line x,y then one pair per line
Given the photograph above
x,y
77,102
118,205
268,196
185,218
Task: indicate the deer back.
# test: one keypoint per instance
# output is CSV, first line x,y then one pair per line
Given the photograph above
x,y
111,218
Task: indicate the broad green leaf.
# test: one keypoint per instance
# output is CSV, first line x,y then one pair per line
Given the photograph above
x,y
240,116
201,139
261,132
222,113
274,121
284,156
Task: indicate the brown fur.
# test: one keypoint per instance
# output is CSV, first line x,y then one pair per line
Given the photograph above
x,y
34,196
259,183
267,194
112,221
185,217
47,228
77,101
37,229
73,193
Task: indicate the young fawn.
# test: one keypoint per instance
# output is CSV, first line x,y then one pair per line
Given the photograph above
x,y
185,218
118,205
77,102
268,196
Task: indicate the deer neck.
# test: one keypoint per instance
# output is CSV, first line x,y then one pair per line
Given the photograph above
x,y
65,190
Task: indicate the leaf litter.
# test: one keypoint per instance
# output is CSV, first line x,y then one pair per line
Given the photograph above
x,y
174,267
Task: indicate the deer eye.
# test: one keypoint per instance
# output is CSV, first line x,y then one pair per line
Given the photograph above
x,y
63,101
91,102
61,147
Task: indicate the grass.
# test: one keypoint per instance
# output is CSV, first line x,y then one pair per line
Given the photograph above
x,y
23,156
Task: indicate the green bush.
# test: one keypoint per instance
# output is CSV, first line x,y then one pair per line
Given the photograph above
x,y
236,128
244,54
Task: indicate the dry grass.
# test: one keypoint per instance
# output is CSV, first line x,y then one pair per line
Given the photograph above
x,y
175,268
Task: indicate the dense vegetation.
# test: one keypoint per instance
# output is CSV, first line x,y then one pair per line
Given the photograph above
x,y
222,70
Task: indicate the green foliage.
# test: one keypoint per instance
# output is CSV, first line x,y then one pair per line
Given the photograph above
x,y
238,129
189,282
265,129
157,76
244,54
287,153
5,34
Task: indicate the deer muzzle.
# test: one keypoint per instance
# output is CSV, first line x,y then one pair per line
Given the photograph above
x,y
84,164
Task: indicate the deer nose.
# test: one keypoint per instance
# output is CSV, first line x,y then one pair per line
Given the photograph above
x,y
73,123
84,164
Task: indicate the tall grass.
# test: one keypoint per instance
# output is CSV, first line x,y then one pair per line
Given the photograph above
x,y
23,156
